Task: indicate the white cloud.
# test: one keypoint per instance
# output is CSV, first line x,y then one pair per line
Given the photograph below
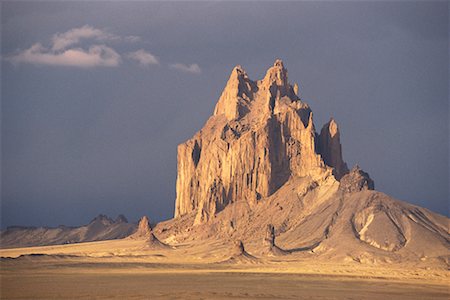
x,y
143,57
133,38
63,50
62,41
85,47
192,68
96,55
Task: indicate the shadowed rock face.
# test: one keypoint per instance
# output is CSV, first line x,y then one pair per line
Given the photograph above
x,y
259,136
331,149
269,239
239,248
270,248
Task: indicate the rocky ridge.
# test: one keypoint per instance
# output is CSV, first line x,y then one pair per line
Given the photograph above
x,y
100,228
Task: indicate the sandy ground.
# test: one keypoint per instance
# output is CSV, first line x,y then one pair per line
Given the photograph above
x,y
128,269
134,283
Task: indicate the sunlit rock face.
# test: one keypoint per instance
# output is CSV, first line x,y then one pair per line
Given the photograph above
x,y
144,229
260,135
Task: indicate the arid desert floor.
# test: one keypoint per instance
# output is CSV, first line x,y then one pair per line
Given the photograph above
x,y
125,269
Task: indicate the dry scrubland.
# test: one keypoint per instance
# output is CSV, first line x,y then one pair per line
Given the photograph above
x,y
131,269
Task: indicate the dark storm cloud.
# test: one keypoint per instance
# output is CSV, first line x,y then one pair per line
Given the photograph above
x,y
78,142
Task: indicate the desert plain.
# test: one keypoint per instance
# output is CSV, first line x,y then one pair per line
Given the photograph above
x,y
129,269
266,208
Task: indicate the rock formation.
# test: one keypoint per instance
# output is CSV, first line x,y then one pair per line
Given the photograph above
x,y
145,232
259,164
259,136
269,243
356,180
240,255
144,229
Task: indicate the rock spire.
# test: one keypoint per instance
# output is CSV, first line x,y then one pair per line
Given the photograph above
x,y
331,149
144,229
260,135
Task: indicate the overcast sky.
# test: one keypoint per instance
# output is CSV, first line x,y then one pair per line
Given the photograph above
x,y
96,96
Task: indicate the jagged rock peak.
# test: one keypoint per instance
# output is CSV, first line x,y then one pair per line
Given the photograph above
x,y
278,63
144,224
276,83
144,228
101,218
240,92
237,94
277,73
239,70
356,180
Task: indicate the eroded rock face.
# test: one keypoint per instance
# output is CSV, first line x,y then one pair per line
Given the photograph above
x,y
260,135
356,180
